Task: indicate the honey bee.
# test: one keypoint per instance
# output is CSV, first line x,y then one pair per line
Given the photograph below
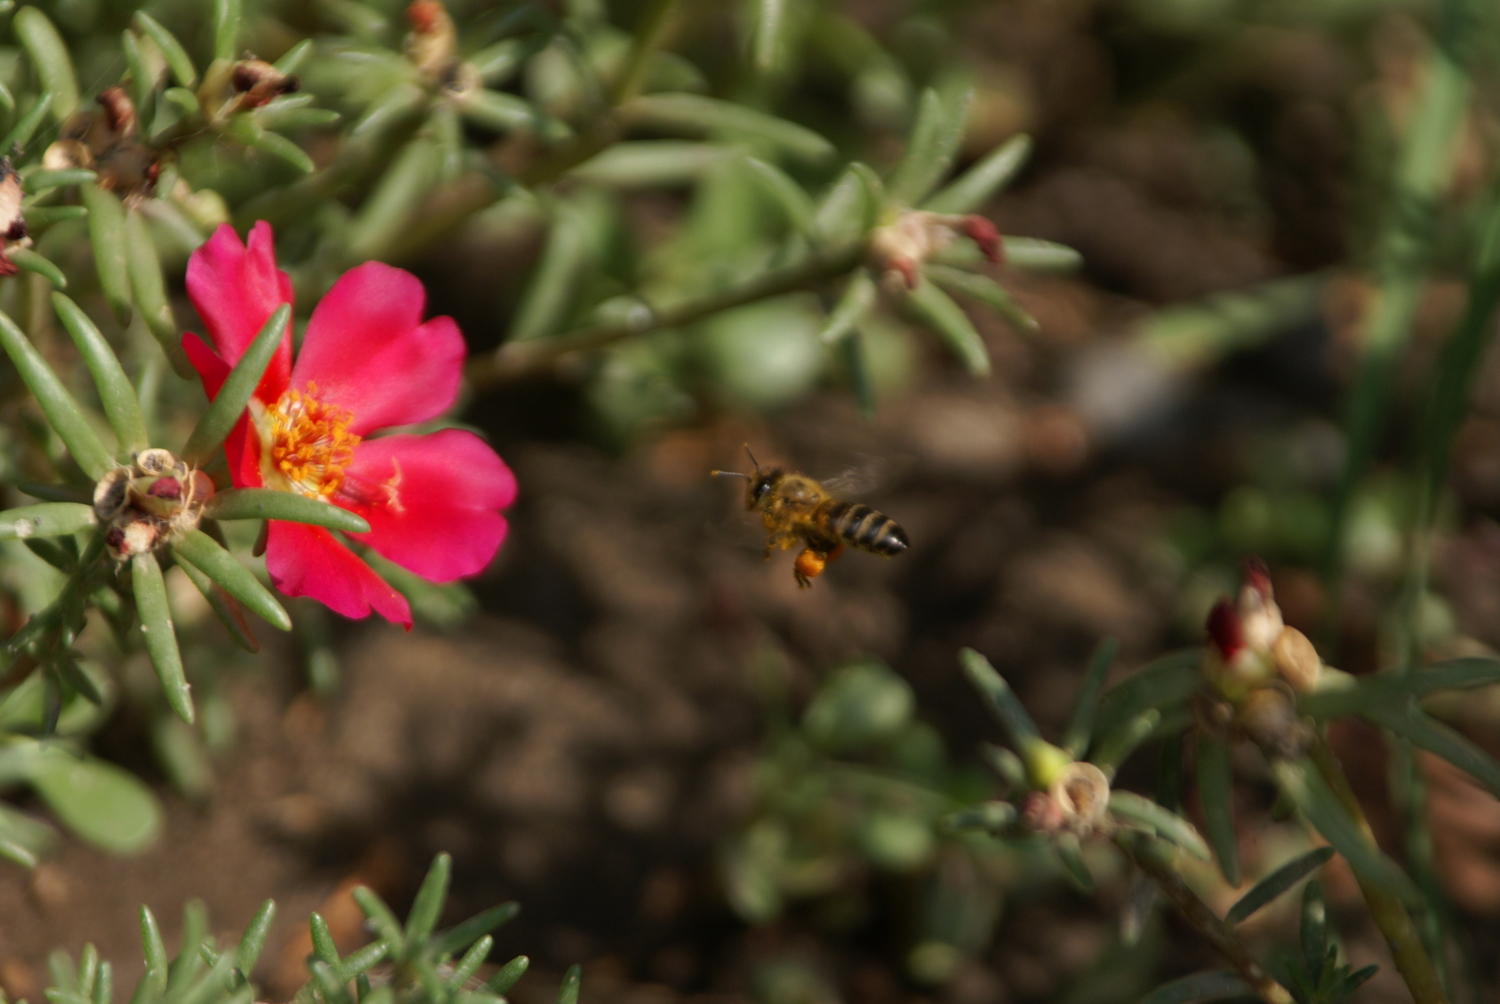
x,y
795,509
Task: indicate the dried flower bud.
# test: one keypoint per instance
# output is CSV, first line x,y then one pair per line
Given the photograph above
x,y
902,246
110,494
1040,813
67,154
1081,792
157,461
1296,660
119,111
258,82
131,538
433,40
1268,717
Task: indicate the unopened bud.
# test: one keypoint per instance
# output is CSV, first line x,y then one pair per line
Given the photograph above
x,y
110,494
1296,660
1260,617
902,246
1040,813
433,39
1268,717
119,111
258,82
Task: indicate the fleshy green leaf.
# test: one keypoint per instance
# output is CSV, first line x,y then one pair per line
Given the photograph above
x,y
20,133
180,63
116,393
795,204
509,973
1435,737
247,132
848,210
470,963
386,926
503,112
770,32
384,215
223,606
62,412
29,261
226,28
41,217
142,80
1163,683
361,959
107,237
1081,725
931,146
992,817
41,181
159,634
1112,748
150,290
50,519
851,348
1278,882
571,980
1034,255
462,935
1218,984
237,388
858,297
1000,697
1164,823
1454,674
947,319
651,163
1070,853
254,938
1307,790
269,503
985,290
23,840
103,804
322,939
293,57
429,903
199,549
49,53
978,184
154,949
1216,793
696,113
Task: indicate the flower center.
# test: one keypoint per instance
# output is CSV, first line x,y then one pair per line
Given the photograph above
x,y
306,444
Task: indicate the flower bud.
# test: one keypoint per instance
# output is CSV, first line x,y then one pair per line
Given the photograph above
x,y
1040,813
901,247
1268,717
1296,660
433,40
1081,792
119,112
258,82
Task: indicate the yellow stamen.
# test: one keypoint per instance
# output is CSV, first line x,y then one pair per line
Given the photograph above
x,y
306,444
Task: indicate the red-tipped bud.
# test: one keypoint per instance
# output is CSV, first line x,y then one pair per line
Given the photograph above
x,y
424,14
983,233
165,488
1258,577
1225,629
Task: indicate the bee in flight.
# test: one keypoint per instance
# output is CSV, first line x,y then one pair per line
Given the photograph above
x,y
795,509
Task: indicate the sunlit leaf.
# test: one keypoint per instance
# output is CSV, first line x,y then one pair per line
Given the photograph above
x,y
49,53
107,238
180,63
159,633
50,519
978,184
1142,812
199,549
234,394
931,145
116,393
62,411
100,802
269,503
938,312
698,114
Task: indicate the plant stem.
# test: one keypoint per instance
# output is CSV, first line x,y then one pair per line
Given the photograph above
x,y
1196,912
515,360
1389,914
649,35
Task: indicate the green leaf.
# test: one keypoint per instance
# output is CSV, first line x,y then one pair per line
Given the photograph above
x,y
992,817
107,237
293,57
49,54
378,227
794,202
1034,255
104,985
386,926
322,939
115,390
568,994
361,959
429,903
947,319
1217,984
497,63
202,551
1434,737
1355,980
41,217
150,291
1452,674
142,80
23,840
931,145
49,519
1075,868
226,29
1313,933
254,938
769,45
246,131
1081,725
1163,683
20,133
858,297
28,260
578,229
159,634
504,113
224,607
462,935
62,412
848,210
234,395
1304,786
1141,812
1112,748
698,114
1000,697
180,63
978,184
395,104
41,181
269,503
1216,793
103,804
650,163
509,973
985,290
851,349
1278,882
470,963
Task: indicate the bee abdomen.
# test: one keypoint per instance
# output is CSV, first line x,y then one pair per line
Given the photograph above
x,y
858,524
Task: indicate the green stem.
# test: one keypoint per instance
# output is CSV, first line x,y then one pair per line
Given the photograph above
x,y
1400,932
1218,933
649,36
516,360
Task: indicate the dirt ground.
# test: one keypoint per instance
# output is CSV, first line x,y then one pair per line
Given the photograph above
x,y
585,744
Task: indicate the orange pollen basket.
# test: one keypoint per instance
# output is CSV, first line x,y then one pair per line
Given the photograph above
x,y
310,442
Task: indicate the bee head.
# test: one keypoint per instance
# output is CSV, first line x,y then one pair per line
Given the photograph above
x,y
761,483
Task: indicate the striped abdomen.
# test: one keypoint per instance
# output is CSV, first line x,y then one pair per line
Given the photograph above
x,y
859,525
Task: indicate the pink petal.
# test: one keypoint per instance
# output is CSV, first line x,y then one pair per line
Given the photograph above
x,y
430,501
368,351
235,289
308,561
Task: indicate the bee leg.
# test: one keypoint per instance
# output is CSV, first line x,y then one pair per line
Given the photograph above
x,y
808,566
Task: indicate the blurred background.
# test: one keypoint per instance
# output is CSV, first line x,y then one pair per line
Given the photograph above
x,y
706,784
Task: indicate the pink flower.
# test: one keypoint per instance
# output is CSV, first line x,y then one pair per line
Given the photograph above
x,y
367,362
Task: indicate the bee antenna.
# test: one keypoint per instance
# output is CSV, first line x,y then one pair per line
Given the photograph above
x,y
753,461
728,474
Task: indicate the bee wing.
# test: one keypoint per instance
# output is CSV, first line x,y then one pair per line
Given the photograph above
x,y
868,473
